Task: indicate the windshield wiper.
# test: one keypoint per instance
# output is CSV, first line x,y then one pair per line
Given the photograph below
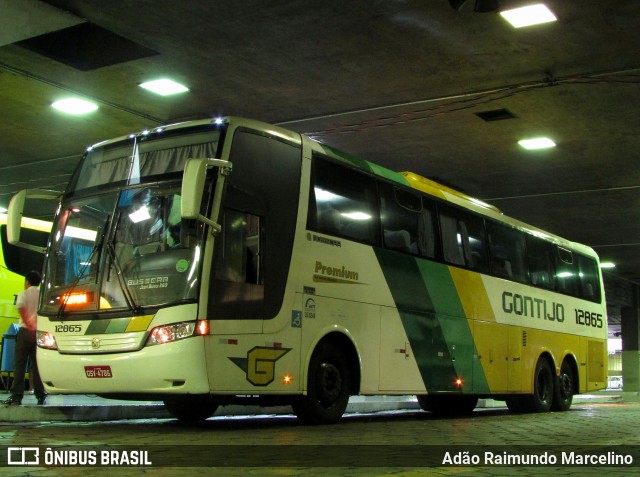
x,y
126,292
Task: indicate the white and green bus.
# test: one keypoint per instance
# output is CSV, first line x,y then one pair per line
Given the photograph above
x,y
231,261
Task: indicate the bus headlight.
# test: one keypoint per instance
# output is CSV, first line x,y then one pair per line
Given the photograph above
x,y
177,331
46,340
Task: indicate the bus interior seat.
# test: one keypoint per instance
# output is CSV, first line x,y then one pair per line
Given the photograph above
x,y
397,240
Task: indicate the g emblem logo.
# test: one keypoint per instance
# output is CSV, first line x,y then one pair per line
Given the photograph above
x,y
260,364
95,343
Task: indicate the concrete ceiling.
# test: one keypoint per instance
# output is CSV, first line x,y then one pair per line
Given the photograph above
x,y
398,82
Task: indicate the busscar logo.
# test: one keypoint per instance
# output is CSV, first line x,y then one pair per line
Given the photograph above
x,y
23,456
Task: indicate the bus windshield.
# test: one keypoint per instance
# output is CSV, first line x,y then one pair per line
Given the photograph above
x,y
127,248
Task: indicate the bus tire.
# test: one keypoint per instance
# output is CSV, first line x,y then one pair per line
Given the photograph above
x,y
328,385
191,409
543,389
563,395
449,405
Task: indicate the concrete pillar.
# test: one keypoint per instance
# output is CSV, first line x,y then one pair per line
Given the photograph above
x,y
630,349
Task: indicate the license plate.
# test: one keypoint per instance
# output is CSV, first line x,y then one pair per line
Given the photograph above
x,y
98,371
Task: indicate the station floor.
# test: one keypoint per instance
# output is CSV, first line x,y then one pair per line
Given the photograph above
x,y
94,408
378,436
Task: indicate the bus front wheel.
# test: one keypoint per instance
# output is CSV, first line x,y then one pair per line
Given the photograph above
x,y
327,387
192,408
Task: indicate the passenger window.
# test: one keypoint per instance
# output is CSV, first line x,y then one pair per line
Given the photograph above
x,y
566,272
508,252
343,203
407,225
463,239
589,278
541,263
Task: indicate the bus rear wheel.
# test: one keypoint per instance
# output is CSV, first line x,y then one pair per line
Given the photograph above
x,y
328,385
194,408
449,405
563,395
543,389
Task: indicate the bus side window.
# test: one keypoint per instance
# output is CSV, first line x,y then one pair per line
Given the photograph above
x,y
463,239
399,211
589,278
541,265
566,272
343,202
239,284
240,249
507,249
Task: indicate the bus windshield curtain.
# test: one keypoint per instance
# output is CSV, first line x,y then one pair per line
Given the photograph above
x,y
77,256
105,167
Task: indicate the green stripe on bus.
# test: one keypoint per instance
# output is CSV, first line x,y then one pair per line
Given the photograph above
x,y
100,327
118,326
418,319
434,320
454,323
389,174
97,327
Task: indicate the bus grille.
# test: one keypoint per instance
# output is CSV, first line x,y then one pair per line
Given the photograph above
x,y
99,344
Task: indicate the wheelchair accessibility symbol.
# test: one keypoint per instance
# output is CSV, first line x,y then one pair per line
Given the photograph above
x,y
296,319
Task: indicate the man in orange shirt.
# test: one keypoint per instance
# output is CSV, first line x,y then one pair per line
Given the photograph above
x,y
27,304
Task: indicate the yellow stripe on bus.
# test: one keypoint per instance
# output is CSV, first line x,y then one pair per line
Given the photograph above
x,y
139,323
472,294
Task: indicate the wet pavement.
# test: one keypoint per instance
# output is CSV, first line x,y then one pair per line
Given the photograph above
x,y
378,436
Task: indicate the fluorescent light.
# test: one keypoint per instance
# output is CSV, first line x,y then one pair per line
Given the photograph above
x,y
75,106
164,87
537,143
527,16
3,210
607,265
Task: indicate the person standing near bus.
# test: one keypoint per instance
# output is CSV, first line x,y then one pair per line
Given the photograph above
x,y
27,304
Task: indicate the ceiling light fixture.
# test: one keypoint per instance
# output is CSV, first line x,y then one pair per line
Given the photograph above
x,y
530,15
607,265
537,143
164,87
75,106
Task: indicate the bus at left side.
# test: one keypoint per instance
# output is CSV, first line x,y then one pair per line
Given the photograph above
x,y
15,262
